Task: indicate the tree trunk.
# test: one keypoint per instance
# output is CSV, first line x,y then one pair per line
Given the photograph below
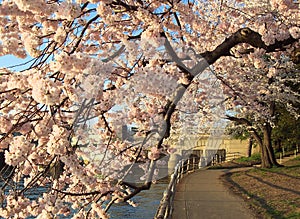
x,y
2,160
268,159
250,145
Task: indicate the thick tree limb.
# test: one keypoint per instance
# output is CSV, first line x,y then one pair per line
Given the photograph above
x,y
243,121
244,35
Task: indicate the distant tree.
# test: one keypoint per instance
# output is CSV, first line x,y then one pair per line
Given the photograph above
x,y
240,132
256,105
286,133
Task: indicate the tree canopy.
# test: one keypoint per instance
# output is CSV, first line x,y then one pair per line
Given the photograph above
x,y
166,68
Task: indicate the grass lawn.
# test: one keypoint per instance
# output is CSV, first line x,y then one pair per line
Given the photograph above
x,y
270,193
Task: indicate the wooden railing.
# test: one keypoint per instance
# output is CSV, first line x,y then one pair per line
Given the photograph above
x,y
233,155
165,208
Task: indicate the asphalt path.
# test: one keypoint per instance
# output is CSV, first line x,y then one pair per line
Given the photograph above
x,y
203,195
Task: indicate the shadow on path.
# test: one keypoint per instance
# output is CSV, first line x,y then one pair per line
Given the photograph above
x,y
262,202
272,184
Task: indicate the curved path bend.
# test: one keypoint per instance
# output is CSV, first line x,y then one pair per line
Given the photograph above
x,y
203,195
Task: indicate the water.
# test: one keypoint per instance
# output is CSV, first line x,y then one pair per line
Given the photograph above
x,y
147,201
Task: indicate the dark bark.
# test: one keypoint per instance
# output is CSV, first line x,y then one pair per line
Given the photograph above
x,y
265,142
250,145
268,158
2,160
244,35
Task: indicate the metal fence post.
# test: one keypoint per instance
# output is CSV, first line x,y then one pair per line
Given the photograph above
x,y
165,208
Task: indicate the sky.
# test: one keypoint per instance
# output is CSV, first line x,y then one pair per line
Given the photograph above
x,y
10,60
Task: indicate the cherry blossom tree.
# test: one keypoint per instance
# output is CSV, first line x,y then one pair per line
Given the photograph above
x,y
99,65
258,112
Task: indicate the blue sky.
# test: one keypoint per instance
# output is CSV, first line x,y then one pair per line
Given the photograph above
x,y
10,60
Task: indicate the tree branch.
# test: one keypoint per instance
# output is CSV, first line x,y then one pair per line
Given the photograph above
x,y
243,35
246,122
84,193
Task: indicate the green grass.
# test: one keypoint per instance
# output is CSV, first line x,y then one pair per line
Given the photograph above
x,y
294,215
254,158
239,162
291,168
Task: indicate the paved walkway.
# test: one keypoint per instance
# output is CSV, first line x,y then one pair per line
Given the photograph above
x,y
203,195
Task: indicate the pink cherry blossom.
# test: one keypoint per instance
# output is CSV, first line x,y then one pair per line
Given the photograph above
x,y
295,32
95,69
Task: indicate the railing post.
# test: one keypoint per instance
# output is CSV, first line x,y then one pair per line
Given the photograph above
x,y
194,163
280,158
165,208
182,169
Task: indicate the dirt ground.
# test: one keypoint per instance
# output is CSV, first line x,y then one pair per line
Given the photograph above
x,y
270,193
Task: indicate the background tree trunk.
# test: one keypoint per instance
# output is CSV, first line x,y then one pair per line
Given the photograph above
x,y
268,158
250,145
264,140
2,160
